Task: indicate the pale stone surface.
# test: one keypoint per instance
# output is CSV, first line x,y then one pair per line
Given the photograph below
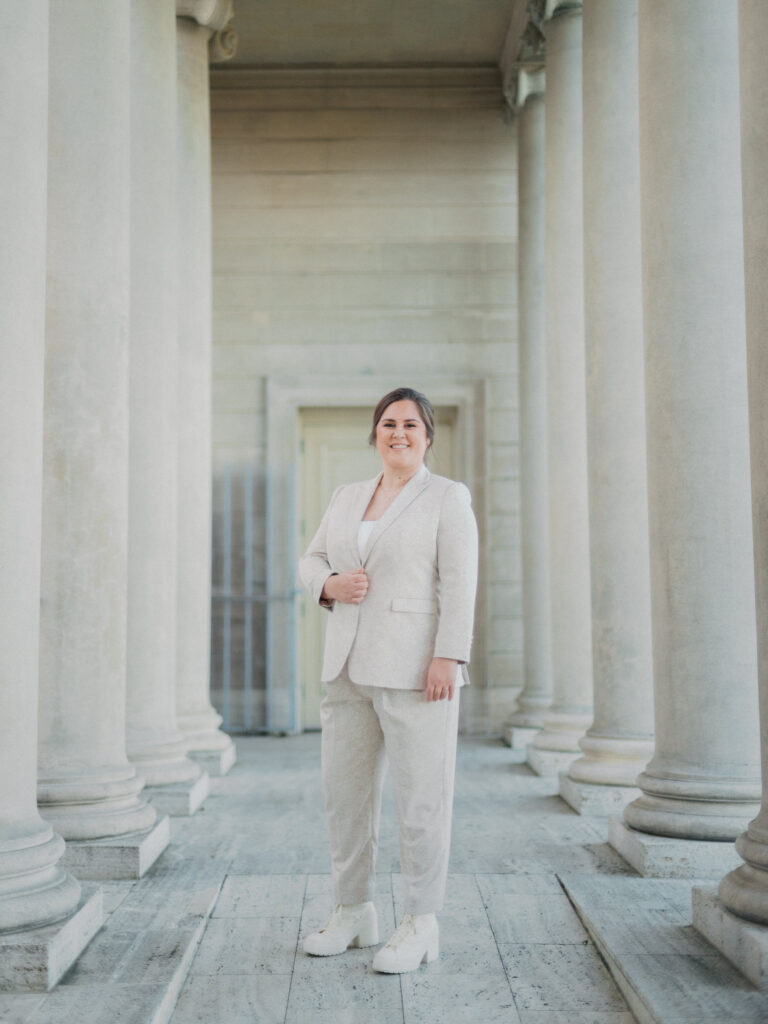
x,y
745,891
196,717
545,977
38,958
124,856
703,782
33,889
179,798
670,857
259,997
518,740
154,743
744,943
571,710
549,762
87,788
215,762
590,799
619,742
250,959
667,973
532,382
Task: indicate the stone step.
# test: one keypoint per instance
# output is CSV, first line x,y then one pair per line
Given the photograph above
x,y
136,965
666,971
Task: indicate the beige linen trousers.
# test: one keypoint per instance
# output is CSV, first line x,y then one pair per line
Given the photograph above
x,y
421,562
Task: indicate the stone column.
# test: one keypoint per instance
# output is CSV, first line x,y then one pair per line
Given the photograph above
x,y
571,712
744,892
536,695
619,743
87,787
704,780
197,718
154,742
34,890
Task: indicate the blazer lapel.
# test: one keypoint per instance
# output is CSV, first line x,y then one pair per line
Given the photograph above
x,y
412,489
360,503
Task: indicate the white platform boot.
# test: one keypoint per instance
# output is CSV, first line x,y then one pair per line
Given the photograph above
x,y
349,925
417,938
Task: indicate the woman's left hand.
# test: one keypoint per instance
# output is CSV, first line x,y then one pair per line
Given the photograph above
x,y
441,678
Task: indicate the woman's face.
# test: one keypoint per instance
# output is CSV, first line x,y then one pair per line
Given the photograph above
x,y
401,436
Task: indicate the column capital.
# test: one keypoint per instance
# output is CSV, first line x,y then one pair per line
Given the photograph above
x,y
213,14
554,8
222,46
524,75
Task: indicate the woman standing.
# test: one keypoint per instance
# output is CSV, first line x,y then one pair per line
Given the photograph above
x,y
395,563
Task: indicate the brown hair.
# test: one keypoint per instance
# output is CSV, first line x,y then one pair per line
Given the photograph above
x,y
426,411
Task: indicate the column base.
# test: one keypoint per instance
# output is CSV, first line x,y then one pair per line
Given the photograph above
x,y
120,857
35,891
549,762
181,799
96,805
517,738
612,760
663,857
35,960
592,800
563,730
742,942
158,771
215,762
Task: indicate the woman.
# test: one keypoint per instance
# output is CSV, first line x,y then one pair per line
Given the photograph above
x,y
395,563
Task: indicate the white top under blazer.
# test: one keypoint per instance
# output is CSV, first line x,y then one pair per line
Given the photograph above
x,y
421,561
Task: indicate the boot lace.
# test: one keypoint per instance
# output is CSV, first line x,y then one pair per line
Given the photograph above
x,y
335,918
404,930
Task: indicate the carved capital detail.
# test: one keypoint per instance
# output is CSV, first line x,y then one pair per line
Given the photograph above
x,y
525,74
213,14
222,46
554,8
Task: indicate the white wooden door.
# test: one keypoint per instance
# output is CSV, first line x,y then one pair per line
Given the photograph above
x,y
334,450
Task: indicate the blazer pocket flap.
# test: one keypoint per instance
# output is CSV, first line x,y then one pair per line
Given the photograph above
x,y
425,605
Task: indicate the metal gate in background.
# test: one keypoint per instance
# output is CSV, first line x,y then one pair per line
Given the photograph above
x,y
254,679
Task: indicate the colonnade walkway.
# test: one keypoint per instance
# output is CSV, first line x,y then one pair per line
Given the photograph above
x,y
212,933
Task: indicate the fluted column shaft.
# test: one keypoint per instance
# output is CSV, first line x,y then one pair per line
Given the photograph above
x,y
619,742
155,744
33,889
703,782
570,713
745,890
536,695
87,786
197,718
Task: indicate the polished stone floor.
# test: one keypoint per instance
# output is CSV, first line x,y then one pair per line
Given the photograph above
x,y
212,934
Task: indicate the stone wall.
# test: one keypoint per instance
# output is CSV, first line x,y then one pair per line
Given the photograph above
x,y
365,227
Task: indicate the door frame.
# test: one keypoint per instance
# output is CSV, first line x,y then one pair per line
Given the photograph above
x,y
284,396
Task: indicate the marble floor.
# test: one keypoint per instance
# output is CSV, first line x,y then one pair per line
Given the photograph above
x,y
212,934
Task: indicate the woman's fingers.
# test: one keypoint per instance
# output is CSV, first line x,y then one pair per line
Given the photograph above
x,y
441,679
354,586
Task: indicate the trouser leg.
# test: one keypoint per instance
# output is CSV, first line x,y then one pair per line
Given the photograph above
x,y
420,739
353,773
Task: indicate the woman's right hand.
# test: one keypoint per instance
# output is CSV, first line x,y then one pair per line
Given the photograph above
x,y
347,587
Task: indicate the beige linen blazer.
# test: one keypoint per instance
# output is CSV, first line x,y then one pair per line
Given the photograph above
x,y
421,562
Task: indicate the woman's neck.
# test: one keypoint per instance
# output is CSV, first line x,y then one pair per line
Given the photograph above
x,y
396,479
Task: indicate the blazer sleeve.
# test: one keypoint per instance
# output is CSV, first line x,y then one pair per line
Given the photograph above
x,y
457,572
314,567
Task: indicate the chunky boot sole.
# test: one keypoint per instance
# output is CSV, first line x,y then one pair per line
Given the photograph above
x,y
400,963
324,944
